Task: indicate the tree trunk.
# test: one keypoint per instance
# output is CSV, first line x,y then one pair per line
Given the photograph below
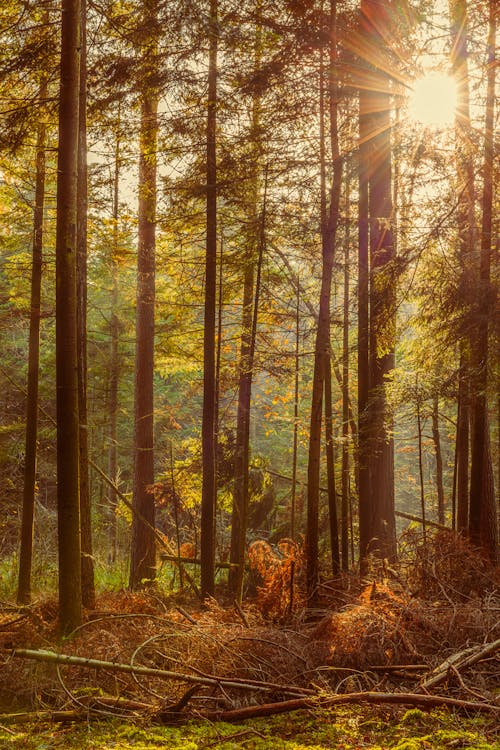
x,y
377,522
88,588
483,516
466,242
143,553
421,467
255,246
330,471
439,459
209,495
293,499
68,500
382,328
322,344
241,457
462,444
363,332
114,365
26,550
344,513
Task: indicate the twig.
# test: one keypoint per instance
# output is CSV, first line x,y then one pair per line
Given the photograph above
x,y
173,710
464,686
241,613
397,668
7,730
185,614
33,716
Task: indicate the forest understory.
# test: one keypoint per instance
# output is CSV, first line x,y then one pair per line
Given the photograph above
x,y
424,637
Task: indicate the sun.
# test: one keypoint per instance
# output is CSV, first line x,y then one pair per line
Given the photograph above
x,y
433,100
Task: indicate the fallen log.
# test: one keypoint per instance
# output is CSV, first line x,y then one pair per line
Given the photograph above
x,y
165,674
406,699
460,661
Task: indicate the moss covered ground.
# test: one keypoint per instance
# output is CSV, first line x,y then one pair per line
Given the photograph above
x,y
348,728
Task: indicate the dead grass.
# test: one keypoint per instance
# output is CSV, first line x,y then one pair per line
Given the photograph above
x,y
366,629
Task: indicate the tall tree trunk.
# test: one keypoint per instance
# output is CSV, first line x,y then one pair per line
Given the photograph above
x,y
241,457
209,495
68,500
254,246
88,588
439,459
114,365
344,512
26,550
293,499
376,305
382,328
462,443
466,241
421,466
322,344
143,552
363,330
240,513
330,471
483,513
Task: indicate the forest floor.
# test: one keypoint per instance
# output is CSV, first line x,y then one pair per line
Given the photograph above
x,y
393,661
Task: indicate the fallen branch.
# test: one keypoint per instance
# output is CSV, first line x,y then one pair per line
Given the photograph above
x,y
164,674
411,699
241,613
186,615
11,623
194,561
29,717
460,661
93,705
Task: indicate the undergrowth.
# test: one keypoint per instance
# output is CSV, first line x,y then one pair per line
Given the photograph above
x,y
345,729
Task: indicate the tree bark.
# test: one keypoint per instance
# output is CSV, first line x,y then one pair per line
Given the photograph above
x,y
88,588
363,331
382,328
439,459
253,252
27,520
293,498
421,467
377,296
330,472
322,345
344,512
466,242
114,365
143,552
209,495
462,444
68,500
483,513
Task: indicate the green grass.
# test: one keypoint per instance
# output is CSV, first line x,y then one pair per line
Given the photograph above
x,y
349,728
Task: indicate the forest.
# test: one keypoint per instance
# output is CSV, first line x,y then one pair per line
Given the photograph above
x,y
250,403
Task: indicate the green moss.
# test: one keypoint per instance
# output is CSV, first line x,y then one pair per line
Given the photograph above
x,y
346,728
415,743
414,716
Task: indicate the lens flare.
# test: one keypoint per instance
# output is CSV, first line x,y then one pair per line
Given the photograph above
x,y
433,100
